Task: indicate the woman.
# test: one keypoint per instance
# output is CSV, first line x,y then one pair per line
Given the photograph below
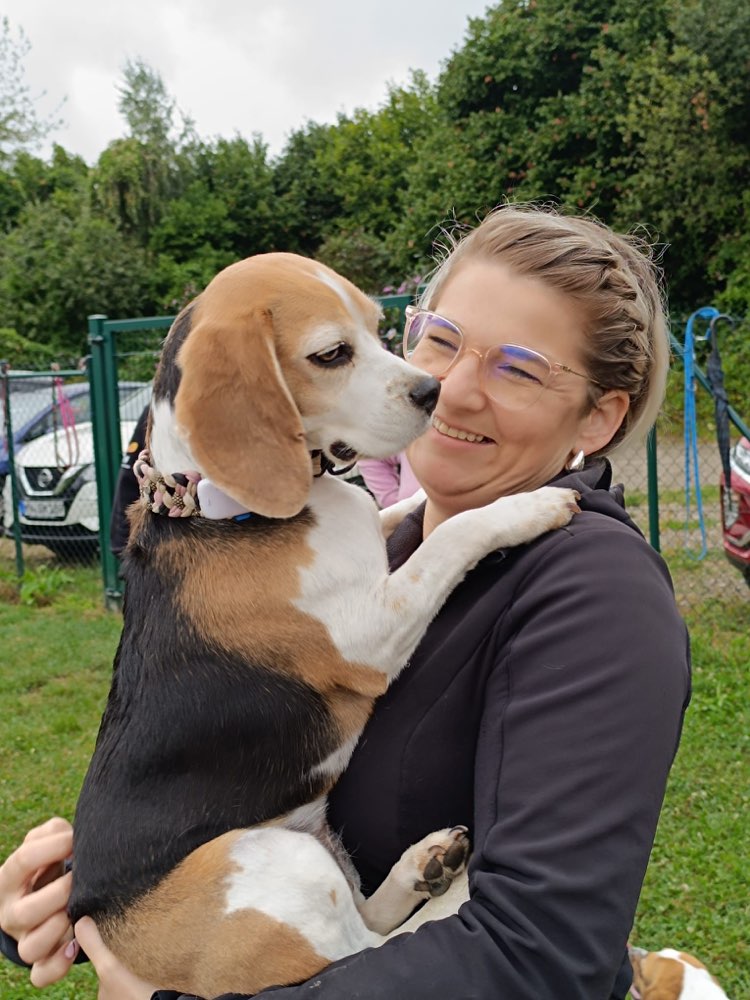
x,y
544,705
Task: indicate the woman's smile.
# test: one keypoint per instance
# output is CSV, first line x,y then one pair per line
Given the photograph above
x,y
458,434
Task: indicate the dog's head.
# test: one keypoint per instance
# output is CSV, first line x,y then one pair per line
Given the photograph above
x,y
280,356
671,975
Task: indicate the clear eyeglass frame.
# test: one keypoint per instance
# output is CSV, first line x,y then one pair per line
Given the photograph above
x,y
510,374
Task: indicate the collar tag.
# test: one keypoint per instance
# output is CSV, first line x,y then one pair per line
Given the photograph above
x,y
215,504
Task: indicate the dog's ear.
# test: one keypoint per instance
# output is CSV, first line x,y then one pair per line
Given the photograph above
x,y
242,425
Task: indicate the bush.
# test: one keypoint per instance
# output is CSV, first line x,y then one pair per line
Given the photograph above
x,y
20,352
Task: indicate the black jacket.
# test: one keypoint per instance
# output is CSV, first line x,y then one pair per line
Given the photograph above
x,y
542,709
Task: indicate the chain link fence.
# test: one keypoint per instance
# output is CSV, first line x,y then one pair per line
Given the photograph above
x,y
51,511
49,507
697,578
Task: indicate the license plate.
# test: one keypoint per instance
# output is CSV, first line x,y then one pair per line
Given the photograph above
x,y
42,509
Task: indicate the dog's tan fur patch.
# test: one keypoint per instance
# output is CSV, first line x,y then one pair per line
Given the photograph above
x,y
200,948
241,601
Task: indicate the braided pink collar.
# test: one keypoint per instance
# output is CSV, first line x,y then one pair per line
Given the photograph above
x,y
175,495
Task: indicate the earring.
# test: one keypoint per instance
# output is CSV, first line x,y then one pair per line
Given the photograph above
x,y
576,463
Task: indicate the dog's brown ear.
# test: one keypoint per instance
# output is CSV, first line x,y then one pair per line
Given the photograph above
x,y
241,422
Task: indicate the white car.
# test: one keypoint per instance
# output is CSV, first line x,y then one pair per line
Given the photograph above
x,y
56,480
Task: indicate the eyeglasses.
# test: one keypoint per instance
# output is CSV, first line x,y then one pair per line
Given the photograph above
x,y
512,375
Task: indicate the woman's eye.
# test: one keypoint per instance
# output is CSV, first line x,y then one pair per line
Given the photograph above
x,y
441,343
340,354
518,374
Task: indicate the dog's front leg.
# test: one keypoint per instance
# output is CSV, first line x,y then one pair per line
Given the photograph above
x,y
424,871
411,596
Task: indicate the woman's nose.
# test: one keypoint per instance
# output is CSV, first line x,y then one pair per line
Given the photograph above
x,y
462,382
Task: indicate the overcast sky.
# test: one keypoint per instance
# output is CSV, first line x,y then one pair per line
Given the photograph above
x,y
233,66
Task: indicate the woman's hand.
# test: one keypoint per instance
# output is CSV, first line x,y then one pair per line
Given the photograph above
x,y
34,895
115,982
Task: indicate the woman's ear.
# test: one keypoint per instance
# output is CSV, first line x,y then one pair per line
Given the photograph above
x,y
602,422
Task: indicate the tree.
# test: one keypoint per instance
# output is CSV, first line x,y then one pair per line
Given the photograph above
x,y
367,156
146,105
137,175
20,125
305,202
60,264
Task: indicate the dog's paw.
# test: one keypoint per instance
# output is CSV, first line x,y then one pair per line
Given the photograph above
x,y
554,507
432,864
521,517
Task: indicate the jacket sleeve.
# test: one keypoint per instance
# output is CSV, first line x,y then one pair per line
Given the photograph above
x,y
582,719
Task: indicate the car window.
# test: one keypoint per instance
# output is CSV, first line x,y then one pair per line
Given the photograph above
x,y
133,397
24,404
80,404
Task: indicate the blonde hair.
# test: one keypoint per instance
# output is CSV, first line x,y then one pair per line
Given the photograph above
x,y
615,282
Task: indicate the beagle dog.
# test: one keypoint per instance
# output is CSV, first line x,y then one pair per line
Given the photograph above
x,y
671,975
260,624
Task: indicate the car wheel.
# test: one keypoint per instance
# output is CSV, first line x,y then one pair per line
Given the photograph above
x,y
746,575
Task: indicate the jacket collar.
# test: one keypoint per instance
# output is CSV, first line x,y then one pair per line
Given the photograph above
x,y
594,483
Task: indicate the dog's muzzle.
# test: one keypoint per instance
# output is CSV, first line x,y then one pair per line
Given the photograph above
x,y
425,394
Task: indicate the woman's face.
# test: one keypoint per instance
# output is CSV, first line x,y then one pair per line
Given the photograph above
x,y
520,450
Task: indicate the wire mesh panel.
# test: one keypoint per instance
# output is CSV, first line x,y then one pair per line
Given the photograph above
x,y
697,577
47,463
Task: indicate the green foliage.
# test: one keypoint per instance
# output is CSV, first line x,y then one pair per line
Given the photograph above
x,y
674,131
305,202
691,898
358,255
177,283
20,125
635,112
226,204
367,155
20,352
31,180
41,585
146,105
57,267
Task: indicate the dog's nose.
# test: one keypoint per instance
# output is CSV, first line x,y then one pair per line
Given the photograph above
x,y
425,394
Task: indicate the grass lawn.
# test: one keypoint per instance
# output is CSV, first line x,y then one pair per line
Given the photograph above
x,y
56,661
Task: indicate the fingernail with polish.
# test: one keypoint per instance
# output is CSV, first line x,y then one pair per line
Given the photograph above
x,y
71,949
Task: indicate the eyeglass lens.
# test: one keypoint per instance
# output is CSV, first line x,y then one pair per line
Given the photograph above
x,y
515,376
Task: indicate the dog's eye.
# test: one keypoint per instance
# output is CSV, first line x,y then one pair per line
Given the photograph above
x,y
340,354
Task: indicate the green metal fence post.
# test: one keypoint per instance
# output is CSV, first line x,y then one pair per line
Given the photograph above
x,y
653,490
107,446
12,470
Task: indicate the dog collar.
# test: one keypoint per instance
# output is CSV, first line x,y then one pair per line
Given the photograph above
x,y
173,494
189,494
184,494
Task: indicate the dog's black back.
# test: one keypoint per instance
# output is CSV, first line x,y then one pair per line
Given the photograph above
x,y
194,741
